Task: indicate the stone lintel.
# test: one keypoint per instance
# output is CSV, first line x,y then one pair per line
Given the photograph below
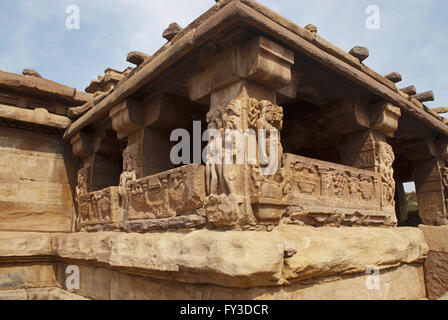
x,y
420,149
346,116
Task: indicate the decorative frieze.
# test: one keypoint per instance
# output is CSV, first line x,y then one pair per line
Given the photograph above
x,y
99,210
176,192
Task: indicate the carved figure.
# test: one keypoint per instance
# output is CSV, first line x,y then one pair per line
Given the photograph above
x,y
213,156
385,160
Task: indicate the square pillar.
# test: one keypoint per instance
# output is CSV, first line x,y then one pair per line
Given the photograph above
x,y
241,84
364,128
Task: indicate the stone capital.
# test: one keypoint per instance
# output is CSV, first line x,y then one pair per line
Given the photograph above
x,y
384,118
82,144
260,60
127,117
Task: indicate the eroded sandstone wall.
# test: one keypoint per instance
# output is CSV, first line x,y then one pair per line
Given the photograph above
x,y
35,193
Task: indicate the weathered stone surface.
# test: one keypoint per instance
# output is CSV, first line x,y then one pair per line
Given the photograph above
x,y
99,210
32,73
106,82
404,283
248,259
39,294
436,237
178,192
424,96
136,57
445,297
361,53
384,118
172,30
28,275
394,77
39,117
440,110
35,194
41,87
52,294
436,265
311,28
436,274
409,90
25,244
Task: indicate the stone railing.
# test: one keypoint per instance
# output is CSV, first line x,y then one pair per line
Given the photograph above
x,y
303,191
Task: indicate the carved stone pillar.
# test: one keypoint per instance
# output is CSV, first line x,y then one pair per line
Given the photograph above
x,y
241,85
148,148
364,129
428,174
99,152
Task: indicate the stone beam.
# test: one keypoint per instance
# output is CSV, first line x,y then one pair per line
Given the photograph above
x,y
346,117
39,117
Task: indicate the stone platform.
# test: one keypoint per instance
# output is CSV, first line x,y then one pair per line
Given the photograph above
x,y
290,262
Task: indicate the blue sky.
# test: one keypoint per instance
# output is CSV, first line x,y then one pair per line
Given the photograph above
x,y
412,39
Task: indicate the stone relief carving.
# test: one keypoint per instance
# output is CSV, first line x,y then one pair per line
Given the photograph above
x,y
268,178
384,160
127,175
98,209
81,187
214,153
319,181
444,172
175,192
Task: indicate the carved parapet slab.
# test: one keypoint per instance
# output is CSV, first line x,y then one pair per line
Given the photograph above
x,y
328,184
326,193
177,192
99,210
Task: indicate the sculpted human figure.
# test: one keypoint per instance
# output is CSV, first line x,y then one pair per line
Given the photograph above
x,y
233,146
385,160
81,188
126,176
213,155
268,124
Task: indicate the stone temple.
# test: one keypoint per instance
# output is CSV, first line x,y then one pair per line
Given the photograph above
x,y
88,185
